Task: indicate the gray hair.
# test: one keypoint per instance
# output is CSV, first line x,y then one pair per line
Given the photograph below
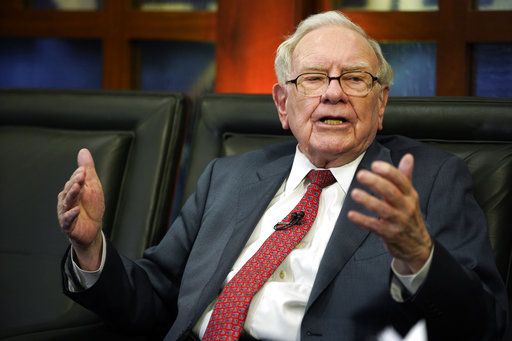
x,y
283,61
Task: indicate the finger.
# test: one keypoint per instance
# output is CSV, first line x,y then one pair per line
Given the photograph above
x,y
375,205
384,188
66,219
76,176
376,225
63,207
72,195
363,220
84,159
393,175
73,184
68,197
414,250
406,165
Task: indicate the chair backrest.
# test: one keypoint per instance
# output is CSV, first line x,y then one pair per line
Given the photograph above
x,y
479,130
136,140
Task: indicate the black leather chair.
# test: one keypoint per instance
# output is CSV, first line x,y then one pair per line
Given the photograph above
x,y
136,139
477,129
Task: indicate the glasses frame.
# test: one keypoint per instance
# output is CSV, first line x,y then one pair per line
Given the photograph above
x,y
338,78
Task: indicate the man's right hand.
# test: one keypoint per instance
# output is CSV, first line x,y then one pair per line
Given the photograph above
x,y
80,209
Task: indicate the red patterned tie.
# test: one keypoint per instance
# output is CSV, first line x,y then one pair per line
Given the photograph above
x,y
230,311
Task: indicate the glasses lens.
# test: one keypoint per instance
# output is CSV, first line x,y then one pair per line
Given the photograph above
x,y
356,83
312,84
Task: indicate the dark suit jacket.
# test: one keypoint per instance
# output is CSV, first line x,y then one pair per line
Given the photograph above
x,y
463,297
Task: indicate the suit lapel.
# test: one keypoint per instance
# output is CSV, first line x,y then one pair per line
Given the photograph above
x,y
256,191
253,199
346,237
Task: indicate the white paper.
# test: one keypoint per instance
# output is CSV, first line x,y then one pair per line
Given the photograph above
x,y
417,333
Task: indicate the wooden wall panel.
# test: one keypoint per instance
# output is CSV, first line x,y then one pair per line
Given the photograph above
x,y
248,33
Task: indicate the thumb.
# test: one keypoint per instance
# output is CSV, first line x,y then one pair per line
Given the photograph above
x,y
406,165
85,159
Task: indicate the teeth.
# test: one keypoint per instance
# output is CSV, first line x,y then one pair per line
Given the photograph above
x,y
333,122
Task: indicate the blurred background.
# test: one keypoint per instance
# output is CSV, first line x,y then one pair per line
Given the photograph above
x,y
436,47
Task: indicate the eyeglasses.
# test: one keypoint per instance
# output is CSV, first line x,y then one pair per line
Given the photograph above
x,y
353,83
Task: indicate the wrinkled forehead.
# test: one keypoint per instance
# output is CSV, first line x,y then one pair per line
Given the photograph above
x,y
334,47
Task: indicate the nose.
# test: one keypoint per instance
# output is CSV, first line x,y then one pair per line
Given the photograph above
x,y
334,92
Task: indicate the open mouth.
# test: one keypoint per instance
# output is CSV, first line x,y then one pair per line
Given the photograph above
x,y
333,121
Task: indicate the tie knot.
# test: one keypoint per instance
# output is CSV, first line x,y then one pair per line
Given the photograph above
x,y
321,177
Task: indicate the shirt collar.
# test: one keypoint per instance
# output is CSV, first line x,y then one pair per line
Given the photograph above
x,y
301,166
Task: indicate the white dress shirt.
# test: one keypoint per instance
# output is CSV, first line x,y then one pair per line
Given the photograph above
x,y
277,309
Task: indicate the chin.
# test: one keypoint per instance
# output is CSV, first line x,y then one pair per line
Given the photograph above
x,y
335,149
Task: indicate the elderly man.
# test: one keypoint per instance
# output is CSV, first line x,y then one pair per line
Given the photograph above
x,y
333,237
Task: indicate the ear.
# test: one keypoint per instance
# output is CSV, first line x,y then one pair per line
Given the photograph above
x,y
383,100
280,96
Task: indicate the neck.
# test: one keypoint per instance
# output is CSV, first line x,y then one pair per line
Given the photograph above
x,y
332,162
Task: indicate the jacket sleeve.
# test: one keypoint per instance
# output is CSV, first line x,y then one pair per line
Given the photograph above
x,y
142,295
463,296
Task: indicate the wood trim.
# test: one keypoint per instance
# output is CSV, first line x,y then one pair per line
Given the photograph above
x,y
453,59
190,26
116,25
247,32
489,26
454,27
397,25
117,70
41,23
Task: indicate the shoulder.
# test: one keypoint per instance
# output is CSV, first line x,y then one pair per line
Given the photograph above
x,y
227,174
429,162
433,167
258,157
422,152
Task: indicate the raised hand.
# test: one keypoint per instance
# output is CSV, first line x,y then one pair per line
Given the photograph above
x,y
80,209
400,224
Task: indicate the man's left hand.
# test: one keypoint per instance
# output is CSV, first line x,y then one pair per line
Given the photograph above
x,y
400,224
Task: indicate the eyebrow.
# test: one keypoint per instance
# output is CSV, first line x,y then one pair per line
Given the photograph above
x,y
354,67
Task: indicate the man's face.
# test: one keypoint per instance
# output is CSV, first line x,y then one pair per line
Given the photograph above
x,y
332,129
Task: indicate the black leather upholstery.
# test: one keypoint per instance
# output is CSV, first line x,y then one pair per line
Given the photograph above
x,y
477,129
136,139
